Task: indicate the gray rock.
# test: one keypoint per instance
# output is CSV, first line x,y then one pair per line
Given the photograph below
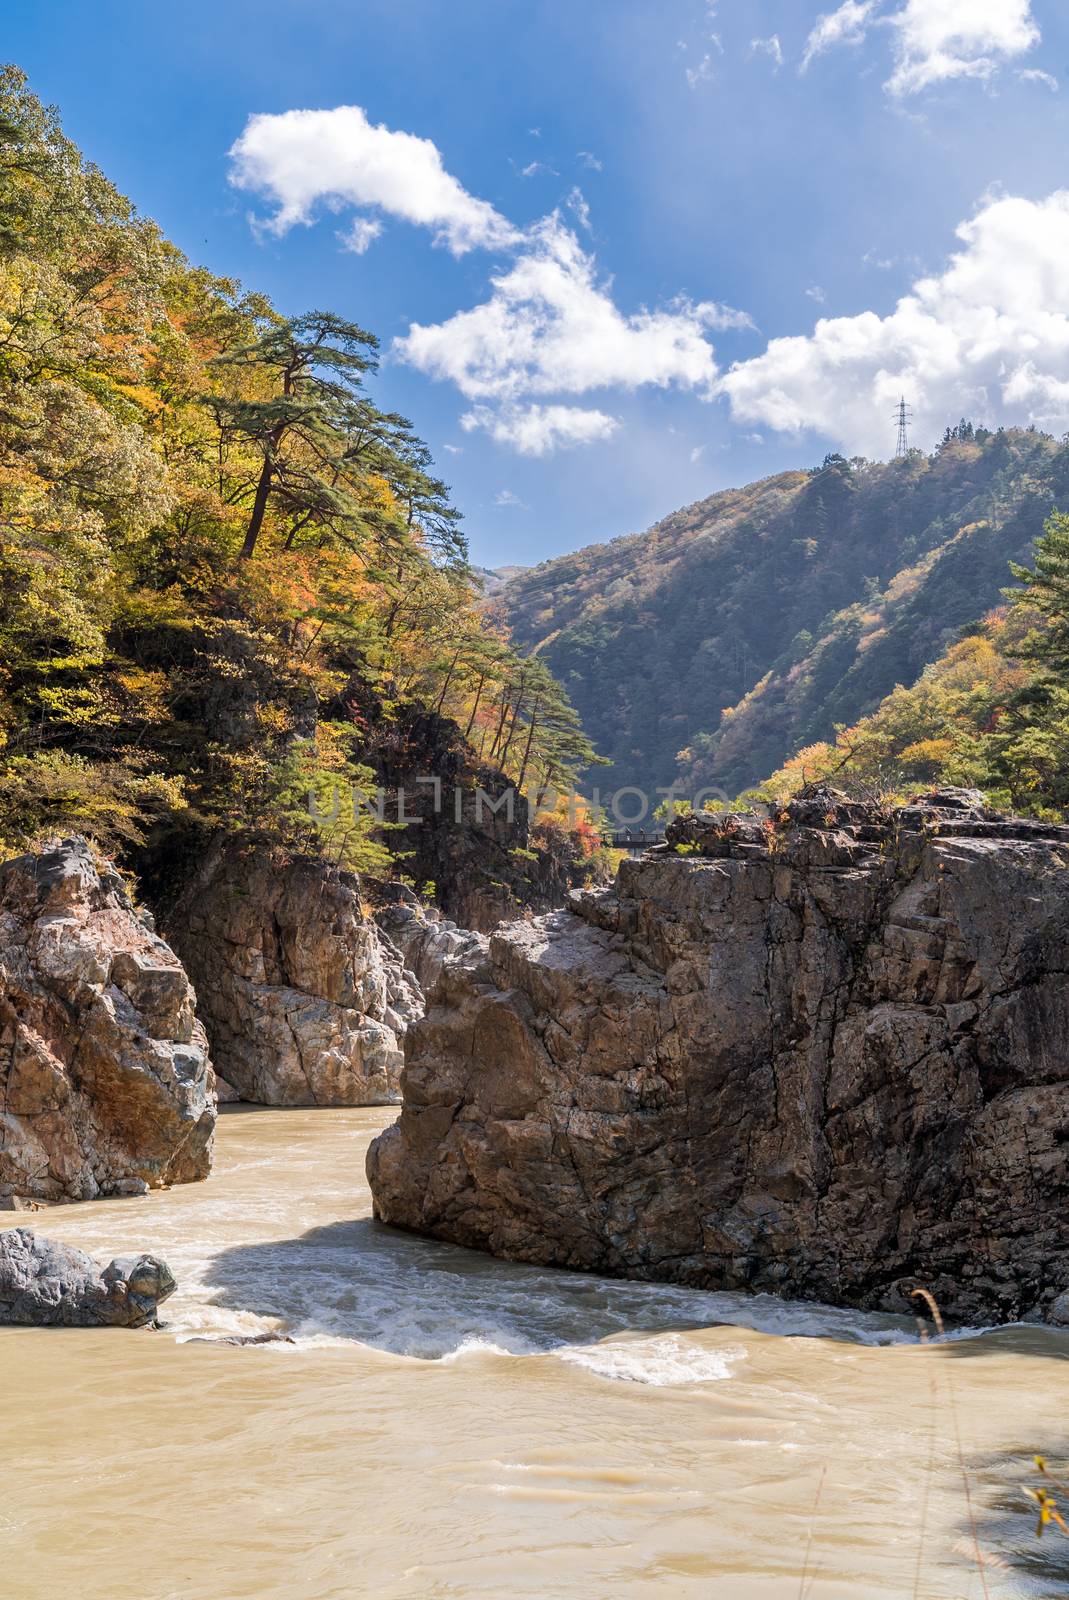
x,y
1059,1310
823,1057
44,1284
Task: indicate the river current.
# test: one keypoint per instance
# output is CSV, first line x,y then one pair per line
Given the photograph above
x,y
446,1427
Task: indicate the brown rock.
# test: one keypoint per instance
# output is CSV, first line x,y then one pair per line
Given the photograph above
x,y
832,1064
305,1003
105,1083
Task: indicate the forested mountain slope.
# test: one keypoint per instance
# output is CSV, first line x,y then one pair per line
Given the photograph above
x,y
228,579
714,646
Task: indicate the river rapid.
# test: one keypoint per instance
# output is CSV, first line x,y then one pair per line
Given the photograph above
x,y
444,1425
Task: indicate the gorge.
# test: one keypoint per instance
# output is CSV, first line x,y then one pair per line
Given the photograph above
x,y
404,1192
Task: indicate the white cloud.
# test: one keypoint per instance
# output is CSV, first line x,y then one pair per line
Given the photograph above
x,y
587,159
534,169
505,497
847,25
454,449
697,453
702,73
770,47
361,235
537,430
933,40
816,293
298,160
988,337
1034,75
551,327
940,39
577,205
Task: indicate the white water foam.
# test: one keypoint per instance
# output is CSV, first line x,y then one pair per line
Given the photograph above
x,y
662,1362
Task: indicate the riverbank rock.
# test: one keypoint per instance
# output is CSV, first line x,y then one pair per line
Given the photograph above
x,y
105,1083
305,1003
48,1285
822,1054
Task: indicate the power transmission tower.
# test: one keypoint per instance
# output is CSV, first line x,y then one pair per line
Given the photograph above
x,y
904,416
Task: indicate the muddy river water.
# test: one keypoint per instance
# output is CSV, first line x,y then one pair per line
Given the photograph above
x,y
447,1427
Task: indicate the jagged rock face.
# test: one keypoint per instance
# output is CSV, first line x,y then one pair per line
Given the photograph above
x,y
825,1057
105,1083
425,942
49,1285
304,1002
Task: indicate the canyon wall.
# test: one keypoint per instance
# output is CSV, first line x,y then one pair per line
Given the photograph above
x,y
304,1001
824,1055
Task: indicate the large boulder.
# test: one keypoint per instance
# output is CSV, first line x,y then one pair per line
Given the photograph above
x,y
304,1001
105,1083
44,1284
822,1054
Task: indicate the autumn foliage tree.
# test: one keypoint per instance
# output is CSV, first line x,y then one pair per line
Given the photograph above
x,y
214,545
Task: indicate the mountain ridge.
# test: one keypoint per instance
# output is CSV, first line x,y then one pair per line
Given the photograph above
x,y
737,629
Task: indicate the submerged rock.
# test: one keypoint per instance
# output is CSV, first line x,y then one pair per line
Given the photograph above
x,y
304,1002
44,1284
824,1056
105,1083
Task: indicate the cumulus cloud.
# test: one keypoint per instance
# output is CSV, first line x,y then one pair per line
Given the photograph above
x,y
551,327
940,39
299,160
933,40
987,337
847,25
537,430
540,429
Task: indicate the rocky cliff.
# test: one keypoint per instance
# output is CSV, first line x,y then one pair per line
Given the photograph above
x,y
823,1055
304,1001
105,1083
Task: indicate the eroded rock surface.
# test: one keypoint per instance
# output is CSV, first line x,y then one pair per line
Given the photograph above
x,y
304,1002
105,1083
426,942
44,1284
826,1056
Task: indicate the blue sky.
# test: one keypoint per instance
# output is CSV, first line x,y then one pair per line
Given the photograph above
x,y
653,247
